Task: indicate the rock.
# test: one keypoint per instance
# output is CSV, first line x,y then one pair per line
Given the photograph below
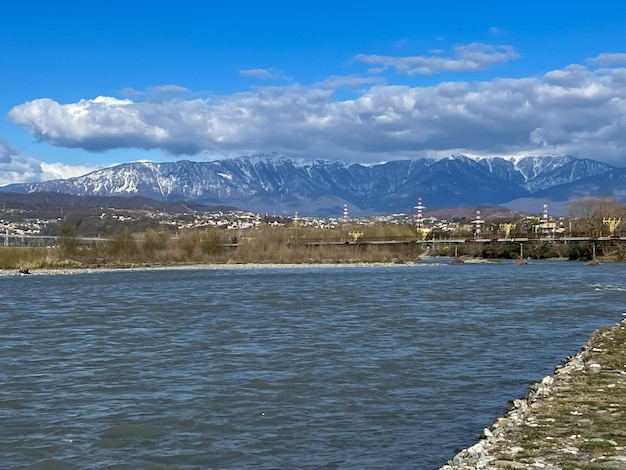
x,y
476,450
547,380
509,464
594,368
617,462
501,422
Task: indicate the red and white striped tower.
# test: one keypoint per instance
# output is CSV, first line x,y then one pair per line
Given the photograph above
x,y
478,223
420,207
544,224
345,212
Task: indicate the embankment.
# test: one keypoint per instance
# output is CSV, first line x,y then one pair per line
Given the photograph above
x,y
575,418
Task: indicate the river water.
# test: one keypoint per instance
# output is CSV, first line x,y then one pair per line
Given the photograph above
x,y
316,368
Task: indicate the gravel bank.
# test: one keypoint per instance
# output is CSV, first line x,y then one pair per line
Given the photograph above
x,y
51,271
574,419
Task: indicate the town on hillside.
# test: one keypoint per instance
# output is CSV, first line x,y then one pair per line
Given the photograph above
x,y
588,218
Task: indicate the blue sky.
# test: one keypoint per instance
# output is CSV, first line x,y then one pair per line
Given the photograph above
x,y
91,84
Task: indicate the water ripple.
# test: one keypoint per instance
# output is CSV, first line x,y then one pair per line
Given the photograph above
x,y
281,368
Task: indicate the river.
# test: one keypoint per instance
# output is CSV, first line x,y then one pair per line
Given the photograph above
x,y
284,368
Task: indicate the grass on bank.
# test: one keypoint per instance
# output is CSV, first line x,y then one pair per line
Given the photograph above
x,y
269,244
262,245
16,258
583,422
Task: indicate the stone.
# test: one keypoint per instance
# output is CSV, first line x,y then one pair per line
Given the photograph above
x,y
476,449
594,368
509,464
571,450
501,422
617,462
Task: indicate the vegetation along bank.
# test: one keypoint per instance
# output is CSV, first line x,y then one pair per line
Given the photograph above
x,y
574,419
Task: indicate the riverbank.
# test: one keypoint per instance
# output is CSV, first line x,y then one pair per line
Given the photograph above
x,y
216,266
422,261
574,419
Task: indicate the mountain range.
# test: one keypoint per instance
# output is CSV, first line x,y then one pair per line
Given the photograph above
x,y
281,185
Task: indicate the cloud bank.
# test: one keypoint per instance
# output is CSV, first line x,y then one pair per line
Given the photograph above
x,y
469,58
577,110
15,167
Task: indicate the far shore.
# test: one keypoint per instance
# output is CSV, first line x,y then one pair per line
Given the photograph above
x,y
214,266
424,261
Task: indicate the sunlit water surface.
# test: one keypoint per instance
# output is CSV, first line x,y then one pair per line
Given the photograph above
x,y
326,367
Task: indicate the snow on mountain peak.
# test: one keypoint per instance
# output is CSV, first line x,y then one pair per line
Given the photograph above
x,y
276,183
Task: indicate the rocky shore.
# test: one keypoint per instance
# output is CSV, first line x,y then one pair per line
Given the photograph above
x,y
50,271
574,419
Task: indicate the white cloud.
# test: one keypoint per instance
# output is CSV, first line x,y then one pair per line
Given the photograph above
x,y
469,58
264,74
59,170
17,168
348,82
168,90
574,110
608,59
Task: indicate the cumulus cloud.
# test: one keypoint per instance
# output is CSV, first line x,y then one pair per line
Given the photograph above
x,y
336,82
574,110
469,58
608,59
169,89
17,168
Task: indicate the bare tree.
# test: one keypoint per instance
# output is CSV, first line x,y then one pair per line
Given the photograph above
x,y
589,214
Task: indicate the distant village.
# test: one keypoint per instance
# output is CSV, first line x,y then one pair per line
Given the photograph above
x,y
17,228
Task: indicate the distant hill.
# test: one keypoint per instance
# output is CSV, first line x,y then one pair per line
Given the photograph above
x,y
279,185
486,212
44,203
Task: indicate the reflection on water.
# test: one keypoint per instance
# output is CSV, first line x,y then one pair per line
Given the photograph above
x,y
369,367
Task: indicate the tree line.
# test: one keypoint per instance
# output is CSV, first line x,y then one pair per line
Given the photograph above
x,y
156,246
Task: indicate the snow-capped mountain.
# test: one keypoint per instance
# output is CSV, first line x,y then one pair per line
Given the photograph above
x,y
281,185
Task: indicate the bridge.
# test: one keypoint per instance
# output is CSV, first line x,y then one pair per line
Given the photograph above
x,y
353,239
450,241
23,240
